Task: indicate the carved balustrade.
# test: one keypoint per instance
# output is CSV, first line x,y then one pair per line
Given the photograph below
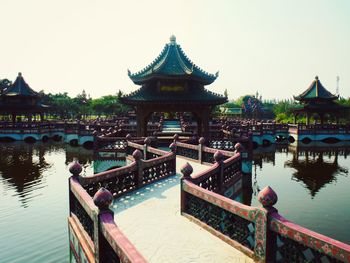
x,y
187,150
260,232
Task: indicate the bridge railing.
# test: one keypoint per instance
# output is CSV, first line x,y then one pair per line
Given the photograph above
x,y
94,236
204,154
97,237
259,232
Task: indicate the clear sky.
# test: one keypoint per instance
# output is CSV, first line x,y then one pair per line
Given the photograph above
x,y
275,47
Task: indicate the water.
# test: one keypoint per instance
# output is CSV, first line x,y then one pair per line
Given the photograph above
x,y
34,195
34,200
312,187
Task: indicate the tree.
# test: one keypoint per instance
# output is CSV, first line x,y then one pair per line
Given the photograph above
x,y
4,84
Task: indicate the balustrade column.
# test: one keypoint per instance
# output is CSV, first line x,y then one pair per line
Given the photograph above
x,y
102,199
137,154
265,241
201,142
186,171
219,159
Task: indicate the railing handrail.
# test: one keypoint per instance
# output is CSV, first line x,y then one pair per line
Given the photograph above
x,y
107,174
300,233
118,241
83,197
221,201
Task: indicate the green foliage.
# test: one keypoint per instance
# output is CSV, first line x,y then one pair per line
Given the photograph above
x,y
82,106
4,83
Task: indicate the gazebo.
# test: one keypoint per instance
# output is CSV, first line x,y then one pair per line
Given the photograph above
x,y
20,99
172,83
317,100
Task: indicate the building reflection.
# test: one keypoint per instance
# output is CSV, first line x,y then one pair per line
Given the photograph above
x,y
22,165
315,166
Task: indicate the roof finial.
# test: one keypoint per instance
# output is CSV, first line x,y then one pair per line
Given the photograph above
x,y
19,74
172,39
316,78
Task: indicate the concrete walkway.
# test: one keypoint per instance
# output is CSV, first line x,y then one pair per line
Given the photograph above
x,y
151,219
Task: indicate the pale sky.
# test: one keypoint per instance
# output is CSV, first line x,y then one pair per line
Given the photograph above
x,y
275,47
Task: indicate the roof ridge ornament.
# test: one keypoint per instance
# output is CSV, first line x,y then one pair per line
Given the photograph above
x,y
172,39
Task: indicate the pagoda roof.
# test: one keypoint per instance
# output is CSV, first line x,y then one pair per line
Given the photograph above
x,y
151,96
316,91
172,63
20,88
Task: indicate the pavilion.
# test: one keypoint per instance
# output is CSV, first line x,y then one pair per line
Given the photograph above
x,y
173,83
318,100
20,99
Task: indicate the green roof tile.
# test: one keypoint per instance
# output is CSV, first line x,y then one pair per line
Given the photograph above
x,y
172,62
196,96
316,91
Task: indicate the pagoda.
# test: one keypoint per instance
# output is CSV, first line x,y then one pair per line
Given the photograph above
x,y
20,99
318,100
172,83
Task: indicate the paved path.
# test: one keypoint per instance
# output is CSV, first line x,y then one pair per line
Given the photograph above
x,y
151,219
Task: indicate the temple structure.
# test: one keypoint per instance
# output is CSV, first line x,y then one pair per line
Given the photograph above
x,y
317,100
20,99
173,83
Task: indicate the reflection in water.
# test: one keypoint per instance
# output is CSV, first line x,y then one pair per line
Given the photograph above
x,y
313,171
308,163
22,165
34,200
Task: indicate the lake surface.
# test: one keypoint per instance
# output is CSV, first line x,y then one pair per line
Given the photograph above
x,y
312,186
34,200
313,191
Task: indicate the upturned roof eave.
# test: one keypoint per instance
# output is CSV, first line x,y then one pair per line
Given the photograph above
x,y
154,69
153,76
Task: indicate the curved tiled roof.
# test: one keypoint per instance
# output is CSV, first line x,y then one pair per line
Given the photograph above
x,y
196,96
20,87
172,62
316,91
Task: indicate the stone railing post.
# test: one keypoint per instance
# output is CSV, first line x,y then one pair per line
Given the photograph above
x,y
75,169
265,239
186,171
173,147
201,142
137,154
102,199
246,166
147,143
219,158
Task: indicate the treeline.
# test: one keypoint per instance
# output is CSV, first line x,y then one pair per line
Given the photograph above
x,y
280,110
83,106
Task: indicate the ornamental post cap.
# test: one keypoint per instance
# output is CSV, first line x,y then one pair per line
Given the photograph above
x,y
176,137
147,141
267,197
128,137
238,147
75,168
201,140
172,39
218,156
137,154
173,147
103,198
186,170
